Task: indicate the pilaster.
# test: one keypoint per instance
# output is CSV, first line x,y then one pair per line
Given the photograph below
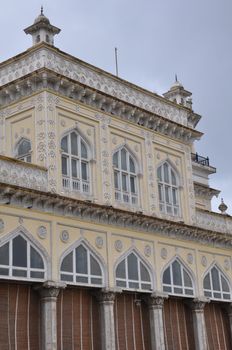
x,y
49,292
155,303
200,335
106,299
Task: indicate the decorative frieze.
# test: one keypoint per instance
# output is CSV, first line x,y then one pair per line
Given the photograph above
x,y
213,221
18,173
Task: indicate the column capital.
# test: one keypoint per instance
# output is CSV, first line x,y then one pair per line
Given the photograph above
x,y
50,289
198,304
156,300
107,295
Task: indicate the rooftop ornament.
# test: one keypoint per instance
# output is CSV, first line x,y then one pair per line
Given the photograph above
x,y
223,207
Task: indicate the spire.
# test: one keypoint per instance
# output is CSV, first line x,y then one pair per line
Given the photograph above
x,y
176,80
42,29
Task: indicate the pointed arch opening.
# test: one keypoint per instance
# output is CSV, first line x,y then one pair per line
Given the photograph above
x,y
177,280
132,273
216,285
125,177
75,163
81,266
20,259
168,189
23,150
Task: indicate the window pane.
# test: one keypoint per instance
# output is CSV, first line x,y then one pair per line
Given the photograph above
x,y
116,182
133,285
166,175
132,267
174,196
187,279
81,260
167,194
19,252
67,263
67,278
178,290
132,184
84,171
81,279
161,196
132,165
115,159
64,165
4,254
24,147
36,260
96,280
159,173
226,296
225,286
83,150
167,276
144,273
37,274
124,182
123,159
215,279
121,270
64,144
207,282
217,295
176,273
74,148
167,289
188,292
94,267
121,283
74,168
146,286
4,272
19,273
173,178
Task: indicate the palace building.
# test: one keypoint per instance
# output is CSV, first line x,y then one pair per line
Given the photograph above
x,y
107,237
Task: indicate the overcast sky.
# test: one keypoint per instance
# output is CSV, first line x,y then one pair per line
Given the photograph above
x,y
156,39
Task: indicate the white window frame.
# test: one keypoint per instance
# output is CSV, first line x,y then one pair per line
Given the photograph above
x,y
24,157
77,184
162,185
182,286
28,269
127,280
212,291
74,274
125,197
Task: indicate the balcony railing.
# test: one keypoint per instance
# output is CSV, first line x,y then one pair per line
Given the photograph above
x,y
19,173
75,185
199,159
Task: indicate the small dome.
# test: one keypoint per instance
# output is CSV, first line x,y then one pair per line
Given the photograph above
x,y
41,18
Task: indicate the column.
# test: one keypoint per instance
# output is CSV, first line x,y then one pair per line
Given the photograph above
x,y
200,335
49,292
155,303
106,299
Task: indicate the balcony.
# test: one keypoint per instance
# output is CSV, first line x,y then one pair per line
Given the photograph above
x,y
202,161
22,174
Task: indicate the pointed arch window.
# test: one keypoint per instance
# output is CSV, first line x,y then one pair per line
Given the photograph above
x,y
23,151
81,267
216,285
177,281
19,259
131,273
125,177
168,190
75,163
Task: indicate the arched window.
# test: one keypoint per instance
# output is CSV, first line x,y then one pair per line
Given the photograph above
x,y
81,267
20,260
75,163
177,281
168,190
131,273
125,177
216,285
23,151
37,38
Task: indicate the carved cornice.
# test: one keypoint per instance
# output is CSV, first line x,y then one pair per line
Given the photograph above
x,y
45,56
45,79
106,215
205,191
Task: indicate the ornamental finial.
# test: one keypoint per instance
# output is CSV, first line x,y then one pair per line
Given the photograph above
x,y
42,11
176,80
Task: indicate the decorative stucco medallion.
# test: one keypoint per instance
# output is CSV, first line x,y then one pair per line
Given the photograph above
x,y
204,261
42,232
190,258
99,242
227,264
147,250
118,245
163,253
64,236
